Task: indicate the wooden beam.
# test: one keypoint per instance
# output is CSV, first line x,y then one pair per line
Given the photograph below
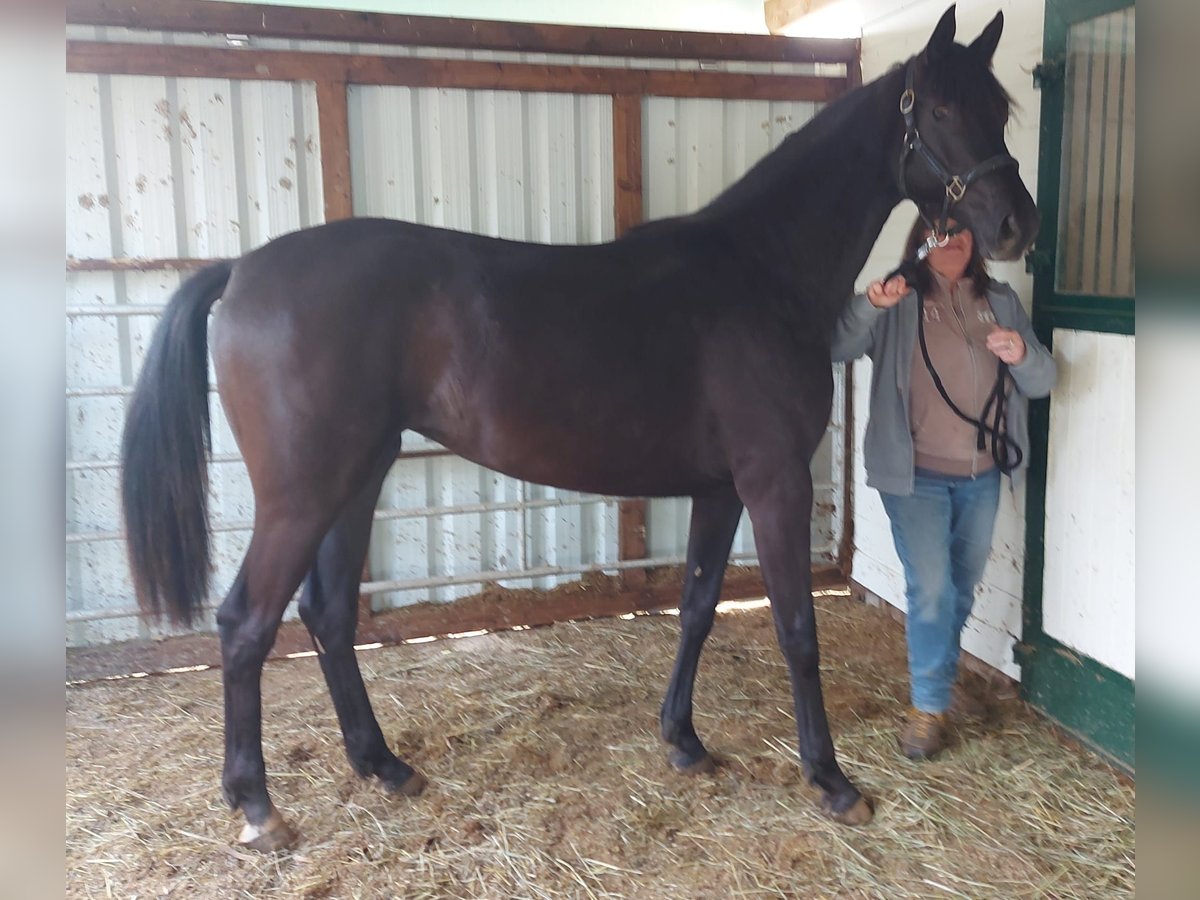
x,y
98,57
379,28
334,129
782,13
493,610
628,212
854,70
627,161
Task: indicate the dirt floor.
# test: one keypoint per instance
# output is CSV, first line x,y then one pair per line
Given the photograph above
x,y
547,779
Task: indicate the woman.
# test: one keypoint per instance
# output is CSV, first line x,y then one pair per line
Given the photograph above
x,y
938,475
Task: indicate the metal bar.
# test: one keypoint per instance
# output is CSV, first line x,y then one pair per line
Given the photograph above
x,y
131,264
117,309
386,515
387,587
93,465
114,391
382,515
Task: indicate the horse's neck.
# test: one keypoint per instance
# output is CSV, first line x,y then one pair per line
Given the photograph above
x,y
814,208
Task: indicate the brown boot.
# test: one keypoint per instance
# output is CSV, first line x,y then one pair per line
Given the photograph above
x,y
965,706
924,734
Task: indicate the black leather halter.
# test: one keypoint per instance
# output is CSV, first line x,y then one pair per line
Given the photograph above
x,y
956,185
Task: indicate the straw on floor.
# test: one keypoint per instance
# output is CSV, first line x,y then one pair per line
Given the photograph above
x,y
548,779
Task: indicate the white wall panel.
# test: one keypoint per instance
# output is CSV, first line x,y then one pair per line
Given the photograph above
x,y
890,35
1088,581
209,168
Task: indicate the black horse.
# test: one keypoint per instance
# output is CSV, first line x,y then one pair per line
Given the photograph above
x,y
688,358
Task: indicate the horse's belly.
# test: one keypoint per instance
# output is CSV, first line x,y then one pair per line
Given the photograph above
x,y
578,456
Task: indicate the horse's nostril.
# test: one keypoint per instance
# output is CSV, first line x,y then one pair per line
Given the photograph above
x,y
1008,229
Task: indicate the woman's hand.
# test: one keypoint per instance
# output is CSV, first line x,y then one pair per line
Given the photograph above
x,y
885,294
1007,344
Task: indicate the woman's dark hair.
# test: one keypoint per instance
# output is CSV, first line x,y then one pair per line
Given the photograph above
x,y
976,266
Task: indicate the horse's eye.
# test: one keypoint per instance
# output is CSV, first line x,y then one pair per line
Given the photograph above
x,y
940,112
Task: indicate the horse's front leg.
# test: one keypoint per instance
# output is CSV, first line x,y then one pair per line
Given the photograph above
x,y
780,506
715,518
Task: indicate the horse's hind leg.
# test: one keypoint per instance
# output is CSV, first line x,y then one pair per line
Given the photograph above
x,y
329,608
281,550
715,520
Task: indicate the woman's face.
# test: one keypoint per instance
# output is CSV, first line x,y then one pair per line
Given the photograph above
x,y
951,260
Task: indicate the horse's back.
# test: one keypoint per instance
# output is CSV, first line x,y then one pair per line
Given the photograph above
x,y
577,366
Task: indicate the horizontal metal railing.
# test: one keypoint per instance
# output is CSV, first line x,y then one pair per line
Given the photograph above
x,y
409,584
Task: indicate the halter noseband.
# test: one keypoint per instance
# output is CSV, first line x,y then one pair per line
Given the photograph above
x,y
956,185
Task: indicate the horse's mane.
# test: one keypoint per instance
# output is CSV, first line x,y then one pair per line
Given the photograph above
x,y
959,76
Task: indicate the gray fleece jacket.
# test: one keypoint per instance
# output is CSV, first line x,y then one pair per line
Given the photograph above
x,y
889,338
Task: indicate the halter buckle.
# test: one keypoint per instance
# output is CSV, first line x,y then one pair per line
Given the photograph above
x,y
907,101
933,241
956,188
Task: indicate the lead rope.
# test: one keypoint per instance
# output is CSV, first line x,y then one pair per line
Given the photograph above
x,y
1005,453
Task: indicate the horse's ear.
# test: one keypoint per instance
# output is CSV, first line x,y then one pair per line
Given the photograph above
x,y
985,45
942,38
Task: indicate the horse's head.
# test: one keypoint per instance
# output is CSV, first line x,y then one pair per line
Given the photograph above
x,y
955,160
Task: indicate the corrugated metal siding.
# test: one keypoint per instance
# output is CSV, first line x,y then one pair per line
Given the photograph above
x,y
523,166
1088,583
692,150
161,168
190,167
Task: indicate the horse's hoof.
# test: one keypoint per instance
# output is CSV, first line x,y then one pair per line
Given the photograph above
x,y
859,812
274,834
688,765
411,787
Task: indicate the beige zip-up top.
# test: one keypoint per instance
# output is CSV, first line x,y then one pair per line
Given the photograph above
x,y
888,337
957,323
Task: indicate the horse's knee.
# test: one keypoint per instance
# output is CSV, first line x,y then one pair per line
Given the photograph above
x,y
310,607
245,643
329,612
695,625
803,653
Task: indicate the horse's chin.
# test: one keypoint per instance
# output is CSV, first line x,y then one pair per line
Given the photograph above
x,y
1006,252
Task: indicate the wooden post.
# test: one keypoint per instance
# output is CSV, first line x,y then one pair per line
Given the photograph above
x,y
627,178
334,128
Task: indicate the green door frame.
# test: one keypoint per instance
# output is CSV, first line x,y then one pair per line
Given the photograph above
x,y
1088,699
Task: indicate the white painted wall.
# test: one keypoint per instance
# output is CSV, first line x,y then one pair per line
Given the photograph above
x,y
890,35
1088,583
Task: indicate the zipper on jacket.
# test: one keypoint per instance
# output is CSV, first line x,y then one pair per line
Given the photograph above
x,y
960,317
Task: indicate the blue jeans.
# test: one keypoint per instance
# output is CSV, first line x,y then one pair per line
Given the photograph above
x,y
943,534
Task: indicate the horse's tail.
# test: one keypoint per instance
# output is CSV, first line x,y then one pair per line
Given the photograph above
x,y
164,477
